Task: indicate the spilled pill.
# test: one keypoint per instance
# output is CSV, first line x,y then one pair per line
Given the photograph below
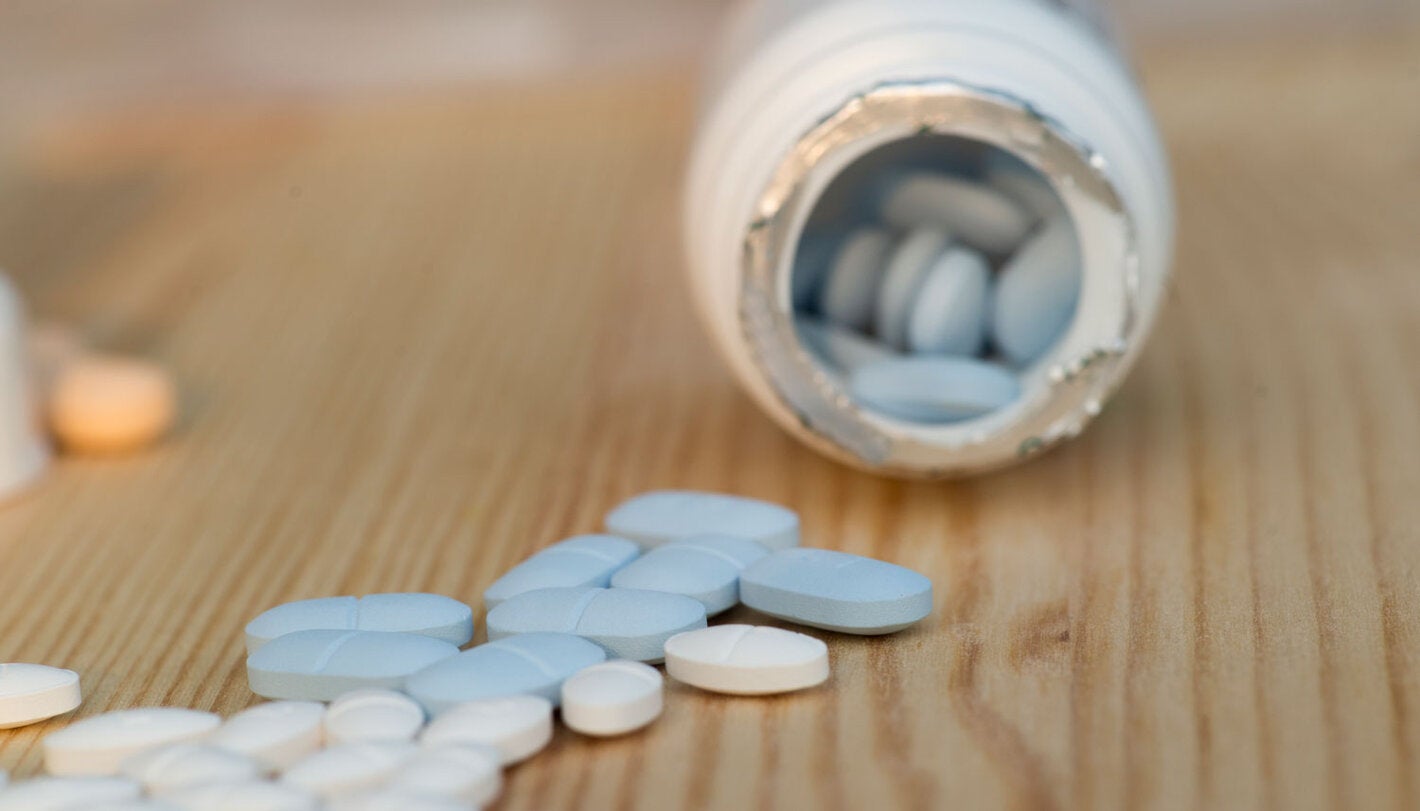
x,y
907,270
275,734
948,316
586,560
183,765
347,768
321,665
1036,293
518,727
431,615
104,404
251,795
373,715
837,591
934,389
629,623
98,745
68,793
747,660
848,296
975,213
532,664
653,518
703,567
33,693
471,775
612,698
843,349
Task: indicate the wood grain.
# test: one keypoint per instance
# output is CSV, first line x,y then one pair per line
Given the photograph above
x,y
420,338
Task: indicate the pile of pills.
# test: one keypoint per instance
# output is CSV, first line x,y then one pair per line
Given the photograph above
x,y
951,285
413,722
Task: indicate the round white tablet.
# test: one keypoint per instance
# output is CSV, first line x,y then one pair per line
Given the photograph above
x,y
747,659
98,745
275,734
67,793
253,795
348,768
470,774
850,293
949,311
612,698
373,715
33,693
188,764
517,726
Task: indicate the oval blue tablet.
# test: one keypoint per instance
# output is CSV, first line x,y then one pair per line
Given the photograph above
x,y
629,623
654,518
583,561
705,568
836,591
321,665
529,664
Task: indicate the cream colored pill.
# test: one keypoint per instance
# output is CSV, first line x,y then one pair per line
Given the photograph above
x,y
275,734
33,693
103,404
348,768
252,795
612,698
850,292
518,727
98,745
184,765
373,715
911,261
974,213
472,775
747,659
67,793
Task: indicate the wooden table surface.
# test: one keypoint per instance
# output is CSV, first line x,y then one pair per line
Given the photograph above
x,y
420,338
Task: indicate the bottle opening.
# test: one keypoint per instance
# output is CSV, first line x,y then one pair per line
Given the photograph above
x,y
933,276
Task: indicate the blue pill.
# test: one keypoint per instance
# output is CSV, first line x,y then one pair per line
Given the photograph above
x,y
628,623
654,518
321,665
583,561
530,664
836,591
705,568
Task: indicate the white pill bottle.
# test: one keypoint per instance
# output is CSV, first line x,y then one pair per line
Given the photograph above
x,y
813,107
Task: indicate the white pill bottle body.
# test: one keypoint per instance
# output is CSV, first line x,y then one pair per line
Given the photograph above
x,y
809,95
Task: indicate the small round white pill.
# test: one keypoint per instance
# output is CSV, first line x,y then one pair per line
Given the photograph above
x,y
33,693
373,715
275,734
1036,293
747,659
99,745
849,294
907,270
949,314
843,349
252,795
472,775
934,390
188,764
348,768
612,698
974,213
67,793
518,727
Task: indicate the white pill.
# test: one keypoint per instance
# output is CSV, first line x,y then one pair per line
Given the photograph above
x,y
1036,293
612,698
971,212
747,660
33,693
703,567
98,745
527,664
653,518
842,349
849,294
934,390
373,715
586,560
275,734
948,316
391,800
836,591
252,795
431,615
628,623
67,793
348,767
188,764
321,665
518,727
907,270
472,775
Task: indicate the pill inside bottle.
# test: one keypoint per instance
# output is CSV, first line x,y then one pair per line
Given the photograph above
x,y
923,246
